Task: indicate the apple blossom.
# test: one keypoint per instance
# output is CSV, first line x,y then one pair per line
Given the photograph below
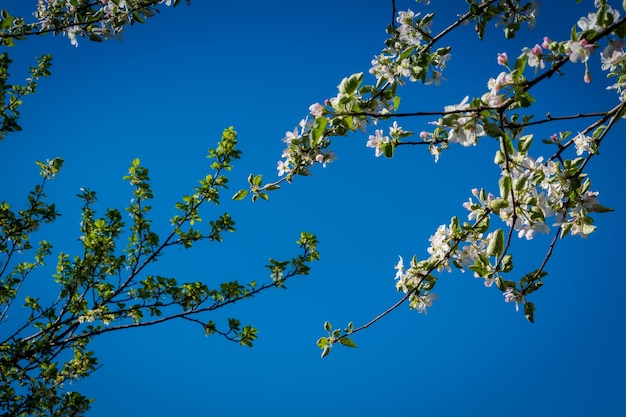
x,y
283,168
377,141
424,302
583,144
534,56
579,50
503,59
612,56
316,110
511,295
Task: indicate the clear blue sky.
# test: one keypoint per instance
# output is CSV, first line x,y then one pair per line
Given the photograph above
x,y
164,95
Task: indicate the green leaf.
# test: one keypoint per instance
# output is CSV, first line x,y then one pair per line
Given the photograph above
x,y
504,184
507,263
518,185
240,195
318,129
574,34
588,229
523,143
348,122
601,209
565,229
325,352
500,284
388,149
520,65
327,326
347,342
350,84
529,311
506,145
396,101
498,203
499,158
322,342
496,243
534,287
494,131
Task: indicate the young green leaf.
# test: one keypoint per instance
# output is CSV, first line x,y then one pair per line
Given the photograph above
x,y
240,195
347,342
496,243
325,352
529,311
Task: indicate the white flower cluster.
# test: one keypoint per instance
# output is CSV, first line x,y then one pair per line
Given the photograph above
x,y
462,127
301,153
541,190
398,61
97,314
379,142
111,16
412,280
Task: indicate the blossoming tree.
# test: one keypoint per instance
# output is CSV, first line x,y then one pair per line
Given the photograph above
x,y
542,188
109,286
538,187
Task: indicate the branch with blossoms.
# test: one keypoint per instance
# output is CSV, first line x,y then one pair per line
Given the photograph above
x,y
96,20
533,192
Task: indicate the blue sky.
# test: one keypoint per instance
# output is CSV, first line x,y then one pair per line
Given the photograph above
x,y
165,93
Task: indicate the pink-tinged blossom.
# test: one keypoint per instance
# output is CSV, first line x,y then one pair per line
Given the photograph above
x,y
316,110
612,56
504,79
503,59
579,50
376,141
489,282
510,296
380,68
493,99
325,158
534,56
546,42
